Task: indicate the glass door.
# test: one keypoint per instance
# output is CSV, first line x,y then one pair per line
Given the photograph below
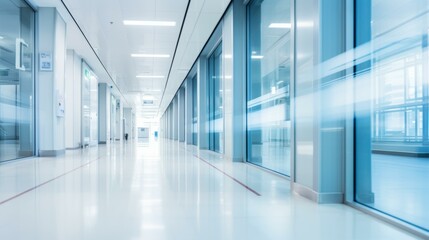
x,y
215,97
268,85
16,80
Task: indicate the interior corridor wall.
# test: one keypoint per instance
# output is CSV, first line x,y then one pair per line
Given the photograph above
x,y
318,117
188,110
119,116
51,84
103,113
203,129
305,73
128,116
181,114
112,118
228,91
73,100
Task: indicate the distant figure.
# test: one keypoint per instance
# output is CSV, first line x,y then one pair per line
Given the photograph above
x,y
126,136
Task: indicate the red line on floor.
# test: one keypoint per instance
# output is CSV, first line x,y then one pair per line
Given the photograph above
x,y
44,183
229,176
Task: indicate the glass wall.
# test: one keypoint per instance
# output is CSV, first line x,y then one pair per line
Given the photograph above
x,y
215,97
194,111
89,106
268,84
113,118
391,120
16,80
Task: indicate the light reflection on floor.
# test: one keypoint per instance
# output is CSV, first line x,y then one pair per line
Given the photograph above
x,y
160,190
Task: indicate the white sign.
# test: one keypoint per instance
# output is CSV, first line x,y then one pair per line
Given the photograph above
x,y
45,61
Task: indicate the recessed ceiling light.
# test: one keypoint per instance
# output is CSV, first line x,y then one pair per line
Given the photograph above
x,y
152,90
145,55
257,57
148,97
148,76
150,23
280,25
1,37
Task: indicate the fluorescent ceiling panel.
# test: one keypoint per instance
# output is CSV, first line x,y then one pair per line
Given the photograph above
x,y
150,23
148,76
148,97
280,25
152,90
145,55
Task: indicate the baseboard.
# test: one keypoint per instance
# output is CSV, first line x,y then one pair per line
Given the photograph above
x,y
74,148
322,198
51,153
332,197
305,191
25,153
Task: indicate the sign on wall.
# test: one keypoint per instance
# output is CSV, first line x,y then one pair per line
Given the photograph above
x,y
45,60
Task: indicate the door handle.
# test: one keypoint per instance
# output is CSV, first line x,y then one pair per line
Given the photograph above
x,y
19,53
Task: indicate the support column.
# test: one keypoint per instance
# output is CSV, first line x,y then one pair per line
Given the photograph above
x,y
239,102
363,149
188,110
128,116
203,140
73,100
52,40
181,114
103,113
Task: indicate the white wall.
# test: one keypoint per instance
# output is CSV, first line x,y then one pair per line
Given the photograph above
x,y
119,133
306,17
319,122
51,39
73,100
112,118
103,113
128,115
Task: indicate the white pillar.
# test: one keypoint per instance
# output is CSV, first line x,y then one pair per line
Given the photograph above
x,y
103,113
73,101
52,40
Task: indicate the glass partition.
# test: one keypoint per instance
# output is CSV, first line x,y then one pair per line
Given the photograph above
x,y
268,85
16,80
391,119
215,97
194,111
89,106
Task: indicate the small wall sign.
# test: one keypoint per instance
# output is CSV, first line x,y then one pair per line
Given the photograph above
x,y
45,60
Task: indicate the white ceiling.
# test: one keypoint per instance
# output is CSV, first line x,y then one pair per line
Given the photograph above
x,y
201,20
102,23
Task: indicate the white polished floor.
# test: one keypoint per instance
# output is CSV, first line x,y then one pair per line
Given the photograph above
x,y
164,190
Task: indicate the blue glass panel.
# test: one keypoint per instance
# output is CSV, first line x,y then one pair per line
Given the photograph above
x,y
268,85
391,117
